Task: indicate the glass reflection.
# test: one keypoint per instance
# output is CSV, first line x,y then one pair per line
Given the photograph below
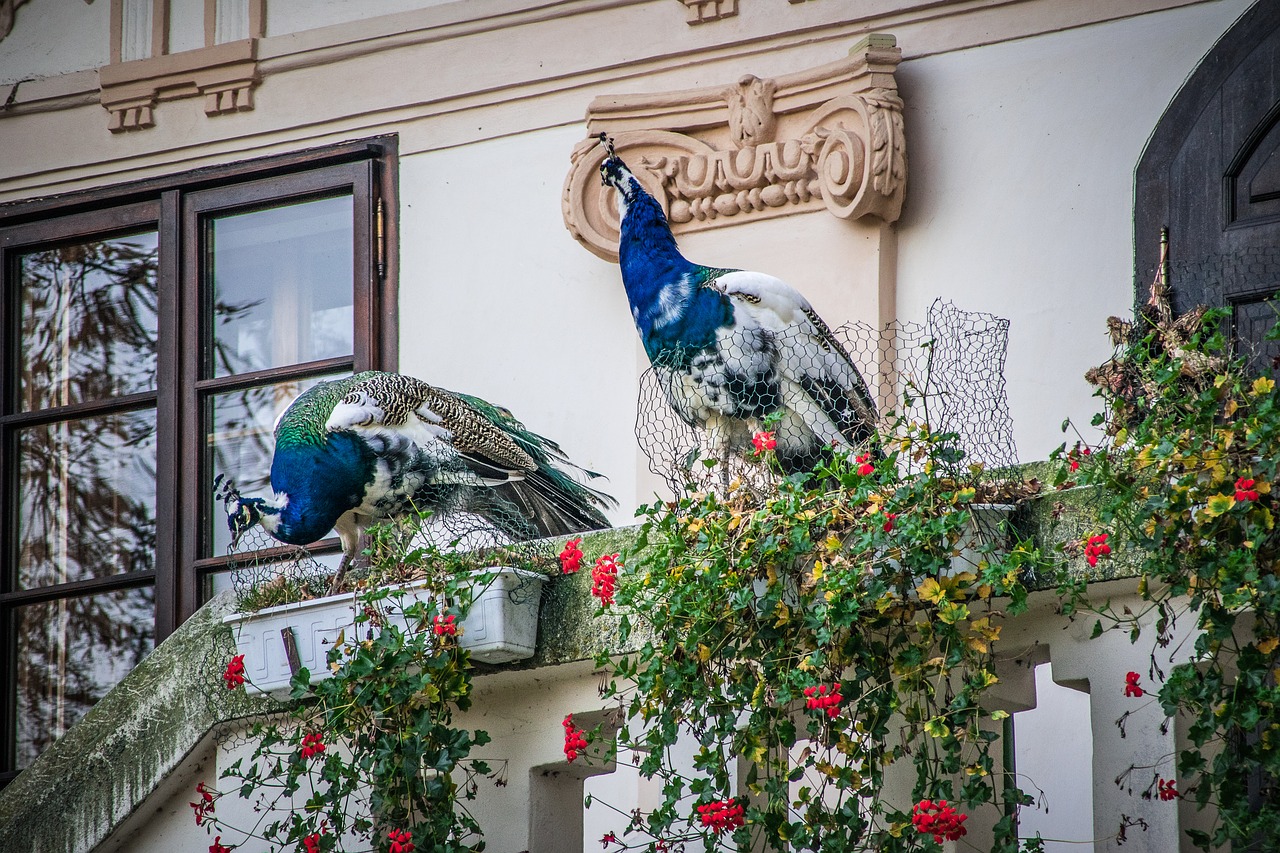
x,y
282,288
70,652
87,498
88,321
239,444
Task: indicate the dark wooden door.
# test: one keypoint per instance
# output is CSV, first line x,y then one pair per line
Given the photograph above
x,y
1211,173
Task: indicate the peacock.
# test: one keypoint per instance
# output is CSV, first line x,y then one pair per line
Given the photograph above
x,y
351,452
734,347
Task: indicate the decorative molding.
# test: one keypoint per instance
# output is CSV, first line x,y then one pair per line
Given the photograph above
x,y
224,74
702,11
830,137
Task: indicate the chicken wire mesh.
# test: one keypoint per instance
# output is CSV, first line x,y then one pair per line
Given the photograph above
x,y
480,528
699,408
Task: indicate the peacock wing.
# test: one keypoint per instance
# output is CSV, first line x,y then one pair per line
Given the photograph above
x,y
819,380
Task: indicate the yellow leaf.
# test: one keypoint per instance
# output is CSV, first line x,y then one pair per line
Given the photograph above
x,y
829,595
817,570
1263,385
937,727
951,612
1218,504
1122,436
1268,645
999,715
833,542
1230,408
784,615
932,591
965,495
704,653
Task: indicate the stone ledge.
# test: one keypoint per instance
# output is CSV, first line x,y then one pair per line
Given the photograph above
x,y
84,787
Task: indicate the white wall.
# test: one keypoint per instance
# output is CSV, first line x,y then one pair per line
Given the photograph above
x,y
496,299
81,43
1020,191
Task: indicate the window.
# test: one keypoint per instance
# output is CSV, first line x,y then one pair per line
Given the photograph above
x,y
150,335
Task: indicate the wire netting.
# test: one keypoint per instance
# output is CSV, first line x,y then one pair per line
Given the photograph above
x,y
699,408
480,528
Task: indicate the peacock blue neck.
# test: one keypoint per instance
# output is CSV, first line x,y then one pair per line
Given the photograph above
x,y
320,482
676,315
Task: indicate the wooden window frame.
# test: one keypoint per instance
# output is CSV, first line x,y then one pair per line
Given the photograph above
x,y
176,208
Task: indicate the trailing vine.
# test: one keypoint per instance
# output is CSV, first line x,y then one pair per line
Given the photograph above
x,y
832,635
1184,481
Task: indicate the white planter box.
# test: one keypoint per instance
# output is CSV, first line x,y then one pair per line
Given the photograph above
x,y
501,627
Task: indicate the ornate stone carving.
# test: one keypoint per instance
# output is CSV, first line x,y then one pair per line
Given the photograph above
x,y
831,137
701,11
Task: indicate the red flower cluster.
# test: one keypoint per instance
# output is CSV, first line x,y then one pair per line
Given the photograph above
x,y
1073,458
1167,789
445,626
889,519
234,673
722,814
218,847
604,579
571,556
1131,688
764,441
1096,548
312,744
939,820
204,806
1245,490
864,464
401,841
609,838
575,739
312,843
819,698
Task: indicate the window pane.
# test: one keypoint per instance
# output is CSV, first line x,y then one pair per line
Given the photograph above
x,y
88,321
281,284
70,652
240,443
87,498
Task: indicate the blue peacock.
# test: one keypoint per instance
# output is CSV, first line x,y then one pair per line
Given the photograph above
x,y
733,347
375,446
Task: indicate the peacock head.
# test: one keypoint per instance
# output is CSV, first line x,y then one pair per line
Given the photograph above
x,y
242,513
614,173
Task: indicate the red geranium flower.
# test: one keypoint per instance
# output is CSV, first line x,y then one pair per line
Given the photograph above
x,y
764,441
1096,548
445,626
312,843
312,744
889,519
203,807
234,673
609,838
864,464
721,815
575,739
1245,490
401,841
218,847
604,579
1131,688
1167,789
571,556
819,698
938,819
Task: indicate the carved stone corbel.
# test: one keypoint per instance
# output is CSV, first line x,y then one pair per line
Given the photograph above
x,y
702,11
224,75
828,138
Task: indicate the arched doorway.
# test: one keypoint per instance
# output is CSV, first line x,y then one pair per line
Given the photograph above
x,y
1211,174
